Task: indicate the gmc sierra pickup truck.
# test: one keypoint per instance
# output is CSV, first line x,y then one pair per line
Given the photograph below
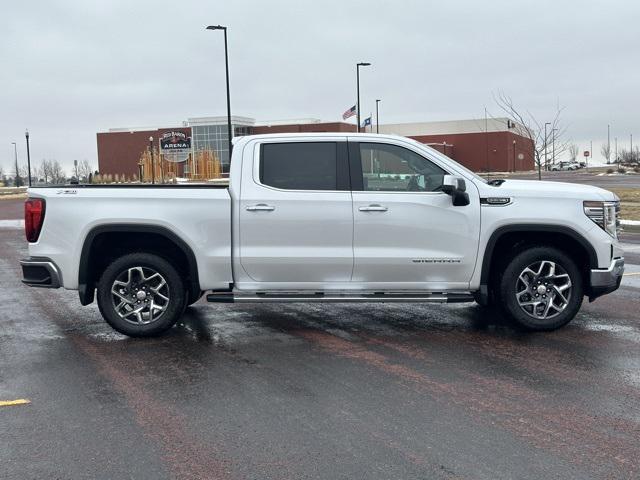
x,y
327,218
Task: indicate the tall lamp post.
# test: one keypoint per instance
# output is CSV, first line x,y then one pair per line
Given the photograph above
x,y
514,156
16,181
26,135
553,146
377,117
358,65
153,166
226,66
546,160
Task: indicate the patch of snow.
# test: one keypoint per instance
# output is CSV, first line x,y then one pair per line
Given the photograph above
x,y
11,224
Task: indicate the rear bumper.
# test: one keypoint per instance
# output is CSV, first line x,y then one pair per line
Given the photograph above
x,y
40,272
606,280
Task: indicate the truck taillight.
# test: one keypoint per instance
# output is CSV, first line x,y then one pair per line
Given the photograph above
x,y
33,218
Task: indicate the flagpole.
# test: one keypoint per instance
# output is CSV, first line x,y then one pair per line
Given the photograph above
x,y
358,94
358,65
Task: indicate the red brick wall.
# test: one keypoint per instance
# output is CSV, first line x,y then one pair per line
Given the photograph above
x,y
119,152
470,149
306,128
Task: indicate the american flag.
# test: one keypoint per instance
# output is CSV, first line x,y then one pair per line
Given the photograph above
x,y
349,113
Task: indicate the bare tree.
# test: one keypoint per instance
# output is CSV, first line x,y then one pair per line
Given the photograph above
x,y
628,157
23,174
57,173
574,151
84,170
547,144
606,151
44,170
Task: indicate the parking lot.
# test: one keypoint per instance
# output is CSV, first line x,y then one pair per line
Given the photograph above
x,y
315,391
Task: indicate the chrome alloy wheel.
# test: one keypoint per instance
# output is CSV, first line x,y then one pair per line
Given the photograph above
x,y
543,290
140,295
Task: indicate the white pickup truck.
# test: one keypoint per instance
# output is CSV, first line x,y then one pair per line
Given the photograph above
x,y
327,218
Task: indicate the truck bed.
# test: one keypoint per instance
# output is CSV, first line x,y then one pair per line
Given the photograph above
x,y
199,214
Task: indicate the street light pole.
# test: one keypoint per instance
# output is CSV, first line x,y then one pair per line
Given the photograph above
x,y
16,181
546,161
358,65
153,167
377,117
608,143
553,146
26,134
514,156
226,66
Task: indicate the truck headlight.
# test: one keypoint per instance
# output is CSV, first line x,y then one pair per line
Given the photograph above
x,y
605,215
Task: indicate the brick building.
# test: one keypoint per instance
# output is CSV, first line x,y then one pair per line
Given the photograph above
x,y
494,145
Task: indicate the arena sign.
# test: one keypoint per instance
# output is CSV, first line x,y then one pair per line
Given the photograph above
x,y
175,146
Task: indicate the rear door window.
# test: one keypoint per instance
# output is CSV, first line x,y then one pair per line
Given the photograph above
x,y
300,166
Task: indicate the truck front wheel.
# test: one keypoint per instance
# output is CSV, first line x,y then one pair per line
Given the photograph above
x,y
141,295
541,288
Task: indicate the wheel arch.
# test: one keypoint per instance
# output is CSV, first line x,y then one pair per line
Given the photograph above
x,y
555,235
88,271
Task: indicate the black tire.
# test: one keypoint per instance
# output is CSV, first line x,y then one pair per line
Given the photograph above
x,y
529,316
141,324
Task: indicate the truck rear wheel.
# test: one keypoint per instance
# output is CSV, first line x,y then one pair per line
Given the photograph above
x,y
541,288
141,295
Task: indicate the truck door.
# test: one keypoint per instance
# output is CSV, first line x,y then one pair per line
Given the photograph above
x,y
407,233
296,221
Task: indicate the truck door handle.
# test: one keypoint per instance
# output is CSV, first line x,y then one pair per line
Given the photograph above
x,y
373,208
261,207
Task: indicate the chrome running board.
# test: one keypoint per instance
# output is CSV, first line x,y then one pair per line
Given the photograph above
x,y
347,297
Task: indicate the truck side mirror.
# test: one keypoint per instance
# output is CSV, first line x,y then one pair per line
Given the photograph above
x,y
457,188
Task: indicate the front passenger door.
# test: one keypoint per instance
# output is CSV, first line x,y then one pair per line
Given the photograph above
x,y
407,233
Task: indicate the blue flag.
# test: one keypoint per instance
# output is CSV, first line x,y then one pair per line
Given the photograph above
x,y
367,121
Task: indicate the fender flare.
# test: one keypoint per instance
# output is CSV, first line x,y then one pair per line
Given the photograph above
x,y
526,227
86,282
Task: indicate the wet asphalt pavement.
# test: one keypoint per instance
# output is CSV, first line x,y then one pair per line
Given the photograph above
x,y
397,391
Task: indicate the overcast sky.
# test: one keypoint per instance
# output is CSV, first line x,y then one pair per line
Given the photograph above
x,y
73,68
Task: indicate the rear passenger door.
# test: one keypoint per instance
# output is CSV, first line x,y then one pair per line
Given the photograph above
x,y
296,220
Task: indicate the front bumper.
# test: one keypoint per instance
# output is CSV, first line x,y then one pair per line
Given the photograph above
x,y
40,272
606,280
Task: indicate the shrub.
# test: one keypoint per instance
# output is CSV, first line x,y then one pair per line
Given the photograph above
x,y
622,170
610,170
636,169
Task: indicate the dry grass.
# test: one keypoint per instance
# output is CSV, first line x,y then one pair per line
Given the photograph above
x,y
630,211
627,194
12,196
629,202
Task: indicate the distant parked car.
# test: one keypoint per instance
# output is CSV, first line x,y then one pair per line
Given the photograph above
x,y
565,166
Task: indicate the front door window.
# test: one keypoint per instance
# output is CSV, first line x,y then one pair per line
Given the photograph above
x,y
390,168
